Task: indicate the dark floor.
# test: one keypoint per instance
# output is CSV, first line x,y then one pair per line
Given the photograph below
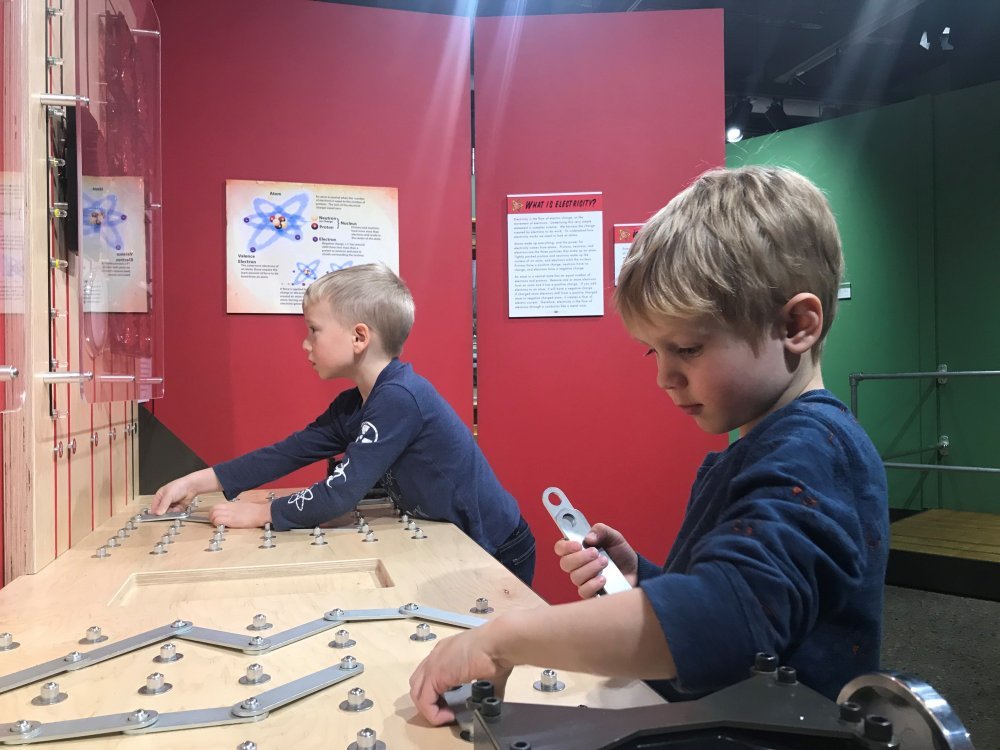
x,y
953,643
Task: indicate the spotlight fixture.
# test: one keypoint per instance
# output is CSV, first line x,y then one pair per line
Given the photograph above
x,y
776,116
738,121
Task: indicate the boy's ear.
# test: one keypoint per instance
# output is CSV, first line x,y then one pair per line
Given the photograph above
x,y
802,322
362,337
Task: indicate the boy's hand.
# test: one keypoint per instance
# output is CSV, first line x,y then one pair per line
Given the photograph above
x,y
240,515
176,495
454,661
584,564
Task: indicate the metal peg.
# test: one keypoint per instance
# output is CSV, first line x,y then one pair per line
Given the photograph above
x,y
255,675
93,635
159,549
364,528
550,682
348,663
356,701
319,538
268,544
418,533
166,539
370,537
168,653
155,684
247,745
423,633
7,642
214,546
102,552
48,695
259,623
342,639
482,606
367,741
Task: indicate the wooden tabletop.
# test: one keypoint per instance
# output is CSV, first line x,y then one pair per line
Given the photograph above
x,y
295,582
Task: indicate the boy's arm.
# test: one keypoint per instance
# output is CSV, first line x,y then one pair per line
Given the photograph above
x,y
391,422
616,636
321,439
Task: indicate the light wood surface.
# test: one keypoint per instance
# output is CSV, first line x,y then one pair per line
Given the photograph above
x,y
293,583
952,533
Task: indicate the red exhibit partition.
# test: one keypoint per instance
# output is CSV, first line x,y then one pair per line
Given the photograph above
x,y
313,92
632,105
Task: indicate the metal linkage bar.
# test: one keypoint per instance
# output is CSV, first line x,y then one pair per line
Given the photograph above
x,y
253,645
442,616
296,689
302,631
359,615
77,660
12,734
195,719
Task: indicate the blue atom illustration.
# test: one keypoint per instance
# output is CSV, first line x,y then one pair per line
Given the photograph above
x,y
272,221
306,272
101,217
337,266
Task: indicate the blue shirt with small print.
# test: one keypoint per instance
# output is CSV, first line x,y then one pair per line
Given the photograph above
x,y
404,434
782,549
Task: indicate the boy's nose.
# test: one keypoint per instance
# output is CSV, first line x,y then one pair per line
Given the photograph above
x,y
668,378
305,344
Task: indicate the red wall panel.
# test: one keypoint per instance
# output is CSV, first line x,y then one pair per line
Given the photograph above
x,y
632,105
306,91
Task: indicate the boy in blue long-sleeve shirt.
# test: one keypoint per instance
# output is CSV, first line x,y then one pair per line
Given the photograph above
x,y
732,287
393,427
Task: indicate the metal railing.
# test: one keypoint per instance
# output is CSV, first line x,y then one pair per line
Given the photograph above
x,y
942,375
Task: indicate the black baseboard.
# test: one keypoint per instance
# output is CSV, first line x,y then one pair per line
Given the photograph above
x,y
979,579
162,455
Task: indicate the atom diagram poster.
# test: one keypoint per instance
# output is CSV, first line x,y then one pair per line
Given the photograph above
x,y
623,234
113,245
282,236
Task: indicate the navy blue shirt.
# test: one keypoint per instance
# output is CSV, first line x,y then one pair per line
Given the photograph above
x,y
404,434
783,549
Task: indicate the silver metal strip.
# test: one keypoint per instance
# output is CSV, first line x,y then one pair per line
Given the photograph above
x,y
176,629
301,631
64,100
447,618
359,615
941,467
33,674
65,377
173,515
237,641
300,688
195,719
64,730
116,378
8,372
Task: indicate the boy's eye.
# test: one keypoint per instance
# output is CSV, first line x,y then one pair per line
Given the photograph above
x,y
688,351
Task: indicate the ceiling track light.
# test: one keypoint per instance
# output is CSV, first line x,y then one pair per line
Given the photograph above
x,y
738,120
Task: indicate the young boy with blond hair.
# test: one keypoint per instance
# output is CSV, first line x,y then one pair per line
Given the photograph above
x,y
393,426
732,288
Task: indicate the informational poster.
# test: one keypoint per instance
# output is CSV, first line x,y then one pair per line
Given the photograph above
x,y
113,245
554,255
282,236
623,235
12,211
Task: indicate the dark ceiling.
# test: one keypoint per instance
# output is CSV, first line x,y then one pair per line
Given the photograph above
x,y
841,55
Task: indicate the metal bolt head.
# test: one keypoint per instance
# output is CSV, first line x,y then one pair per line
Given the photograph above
x,y
549,677
259,621
168,652
418,533
356,696
73,656
549,683
101,552
49,691
214,546
341,637
256,640
179,624
405,518
93,633
113,541
155,681
411,606
21,726
268,543
365,528
317,532
336,612
122,533
254,671
348,662
138,715
248,745
482,603
411,526
6,639
171,532
166,539
220,528
370,536
218,536
250,704
366,739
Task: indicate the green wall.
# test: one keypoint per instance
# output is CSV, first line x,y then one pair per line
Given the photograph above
x,y
914,189
876,169
967,265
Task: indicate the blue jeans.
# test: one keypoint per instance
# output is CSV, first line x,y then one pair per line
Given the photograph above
x,y
517,553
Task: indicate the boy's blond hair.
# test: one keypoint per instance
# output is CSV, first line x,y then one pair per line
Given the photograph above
x,y
736,246
371,294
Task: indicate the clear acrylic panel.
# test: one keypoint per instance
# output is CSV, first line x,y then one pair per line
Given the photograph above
x,y
121,300
13,204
